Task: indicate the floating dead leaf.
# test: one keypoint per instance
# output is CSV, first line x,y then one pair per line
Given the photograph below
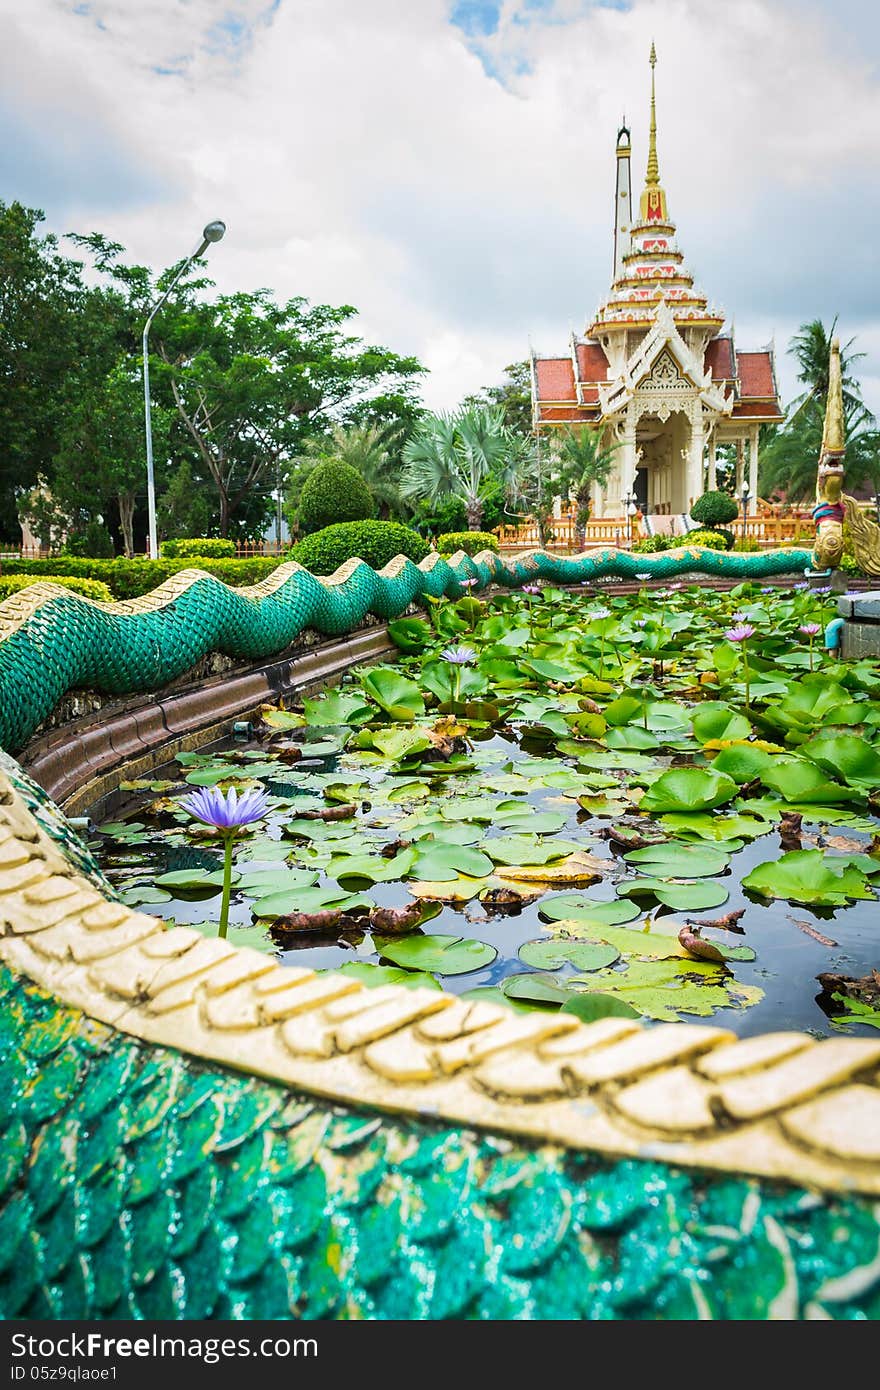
x,y
578,869
694,944
457,890
729,922
809,930
396,920
509,898
865,988
344,812
330,919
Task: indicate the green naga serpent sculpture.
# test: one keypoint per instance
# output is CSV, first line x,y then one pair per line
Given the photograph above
x,y
190,1130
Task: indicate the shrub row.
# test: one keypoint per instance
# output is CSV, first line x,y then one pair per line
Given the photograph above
x,y
710,540
131,578
91,588
376,542
213,547
471,542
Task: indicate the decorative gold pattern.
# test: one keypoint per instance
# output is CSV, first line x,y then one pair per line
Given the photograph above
x,y
782,1107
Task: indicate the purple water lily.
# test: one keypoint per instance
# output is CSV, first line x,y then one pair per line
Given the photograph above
x,y
531,588
643,575
599,613
640,622
468,583
228,813
459,656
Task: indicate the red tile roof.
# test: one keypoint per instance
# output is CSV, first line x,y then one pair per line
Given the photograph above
x,y
550,414
719,357
758,409
755,371
555,379
592,363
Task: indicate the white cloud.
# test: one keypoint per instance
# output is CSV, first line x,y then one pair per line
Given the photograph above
x,y
361,153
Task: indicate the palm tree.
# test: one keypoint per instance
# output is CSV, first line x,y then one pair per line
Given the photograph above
x,y
582,461
369,449
790,456
458,454
811,349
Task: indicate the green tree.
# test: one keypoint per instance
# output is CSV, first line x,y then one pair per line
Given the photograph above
x,y
251,379
459,455
513,397
565,468
373,451
184,509
41,294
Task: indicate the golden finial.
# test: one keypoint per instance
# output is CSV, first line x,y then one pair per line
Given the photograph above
x,y
834,433
653,174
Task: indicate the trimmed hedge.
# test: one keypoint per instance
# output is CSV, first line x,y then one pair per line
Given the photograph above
x,y
90,588
649,545
333,492
711,540
131,578
715,508
376,542
471,542
213,547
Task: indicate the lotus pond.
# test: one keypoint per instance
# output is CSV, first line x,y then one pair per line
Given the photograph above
x,y
660,803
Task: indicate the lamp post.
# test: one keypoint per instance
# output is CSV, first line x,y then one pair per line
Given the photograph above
x,y
745,505
629,507
213,232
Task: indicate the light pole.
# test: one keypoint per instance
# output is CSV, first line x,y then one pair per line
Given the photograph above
x,y
629,503
745,504
213,232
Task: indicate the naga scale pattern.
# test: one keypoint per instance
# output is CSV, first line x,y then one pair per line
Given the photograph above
x,y
52,641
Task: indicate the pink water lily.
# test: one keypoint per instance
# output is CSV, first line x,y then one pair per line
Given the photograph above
x,y
742,633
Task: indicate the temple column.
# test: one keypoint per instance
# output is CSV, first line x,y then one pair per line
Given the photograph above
x,y
740,463
753,463
628,459
712,481
693,477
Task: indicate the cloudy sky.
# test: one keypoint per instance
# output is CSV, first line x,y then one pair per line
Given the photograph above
x,y
447,165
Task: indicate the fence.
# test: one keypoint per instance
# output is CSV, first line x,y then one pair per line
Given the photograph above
x,y
768,529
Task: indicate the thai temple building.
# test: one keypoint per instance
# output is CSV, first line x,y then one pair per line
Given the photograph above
x,y
654,373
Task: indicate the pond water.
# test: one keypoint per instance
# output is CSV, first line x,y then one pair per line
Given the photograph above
x,y
545,790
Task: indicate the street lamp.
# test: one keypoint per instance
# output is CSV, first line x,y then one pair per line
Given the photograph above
x,y
214,231
745,505
629,503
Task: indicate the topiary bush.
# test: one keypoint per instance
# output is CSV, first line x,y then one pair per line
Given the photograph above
x,y
214,547
131,578
710,540
715,509
376,542
333,492
471,542
90,588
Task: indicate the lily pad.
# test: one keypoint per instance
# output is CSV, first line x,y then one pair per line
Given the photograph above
x,y
689,789
375,975
441,955
583,910
675,860
552,954
681,897
194,880
541,990
309,900
439,862
594,1005
525,849
399,697
809,876
337,707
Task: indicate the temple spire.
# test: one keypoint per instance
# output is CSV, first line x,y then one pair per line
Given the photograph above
x,y
653,202
653,174
834,433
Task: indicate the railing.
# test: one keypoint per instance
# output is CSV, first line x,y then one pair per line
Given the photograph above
x,y
561,533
